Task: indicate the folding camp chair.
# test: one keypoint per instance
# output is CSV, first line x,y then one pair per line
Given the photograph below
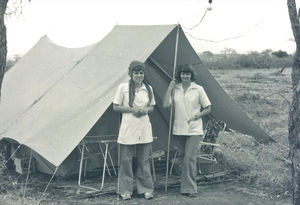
x,y
105,153
207,146
207,157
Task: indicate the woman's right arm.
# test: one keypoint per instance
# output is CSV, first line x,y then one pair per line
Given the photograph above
x,y
167,97
123,109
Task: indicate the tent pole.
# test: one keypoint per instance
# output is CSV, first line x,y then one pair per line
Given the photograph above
x,y
119,160
118,185
171,111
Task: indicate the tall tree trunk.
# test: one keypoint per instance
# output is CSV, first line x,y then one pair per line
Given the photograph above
x,y
294,113
3,45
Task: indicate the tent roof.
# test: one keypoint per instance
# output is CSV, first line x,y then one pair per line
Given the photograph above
x,y
67,90
53,96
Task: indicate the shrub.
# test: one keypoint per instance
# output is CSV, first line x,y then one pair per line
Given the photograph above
x,y
233,60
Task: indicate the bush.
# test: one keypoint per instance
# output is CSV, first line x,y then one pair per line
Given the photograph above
x,y
12,185
233,60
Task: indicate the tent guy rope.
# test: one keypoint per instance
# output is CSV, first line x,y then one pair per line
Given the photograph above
x,y
207,9
42,195
28,172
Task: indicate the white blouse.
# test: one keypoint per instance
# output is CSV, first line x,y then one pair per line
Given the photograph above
x,y
134,130
188,104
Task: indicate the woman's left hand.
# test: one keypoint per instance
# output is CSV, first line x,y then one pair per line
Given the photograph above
x,y
195,117
141,112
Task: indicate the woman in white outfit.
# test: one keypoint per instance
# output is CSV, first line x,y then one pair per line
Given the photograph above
x,y
190,104
135,99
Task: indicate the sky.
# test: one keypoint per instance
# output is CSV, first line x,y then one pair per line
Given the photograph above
x,y
248,25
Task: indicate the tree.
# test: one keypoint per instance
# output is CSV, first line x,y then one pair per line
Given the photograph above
x,y
3,43
280,54
207,54
267,52
294,112
228,51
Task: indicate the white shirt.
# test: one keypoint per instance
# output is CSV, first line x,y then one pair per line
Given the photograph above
x,y
188,104
134,130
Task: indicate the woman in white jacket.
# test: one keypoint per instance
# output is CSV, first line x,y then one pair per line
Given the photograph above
x,y
190,104
135,99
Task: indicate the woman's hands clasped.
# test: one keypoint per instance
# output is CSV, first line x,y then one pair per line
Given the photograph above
x,y
139,112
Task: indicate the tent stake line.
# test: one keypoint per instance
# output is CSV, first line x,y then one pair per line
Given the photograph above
x,y
41,198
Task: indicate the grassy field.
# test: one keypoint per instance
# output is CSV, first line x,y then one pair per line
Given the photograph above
x,y
265,95
260,173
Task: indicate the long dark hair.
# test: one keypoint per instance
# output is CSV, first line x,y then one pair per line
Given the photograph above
x,y
136,65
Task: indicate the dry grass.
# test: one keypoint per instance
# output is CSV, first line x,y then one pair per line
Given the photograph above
x,y
265,96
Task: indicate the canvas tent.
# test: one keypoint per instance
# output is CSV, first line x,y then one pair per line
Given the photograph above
x,y
54,96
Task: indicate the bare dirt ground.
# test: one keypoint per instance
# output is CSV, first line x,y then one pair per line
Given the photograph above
x,y
245,87
225,191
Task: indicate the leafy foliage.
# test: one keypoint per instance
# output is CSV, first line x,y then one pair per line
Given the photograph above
x,y
11,62
230,59
280,54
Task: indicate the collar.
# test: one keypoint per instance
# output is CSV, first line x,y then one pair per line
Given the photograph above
x,y
192,86
143,87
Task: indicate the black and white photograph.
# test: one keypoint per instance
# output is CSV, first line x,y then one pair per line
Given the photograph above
x,y
149,102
